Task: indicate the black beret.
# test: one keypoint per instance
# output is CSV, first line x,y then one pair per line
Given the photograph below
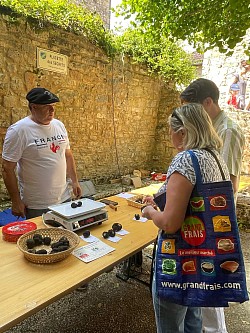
x,y
41,96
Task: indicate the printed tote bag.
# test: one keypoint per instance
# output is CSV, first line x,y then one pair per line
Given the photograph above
x,y
202,264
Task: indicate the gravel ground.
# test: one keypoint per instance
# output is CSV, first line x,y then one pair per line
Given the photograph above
x,y
238,316
111,305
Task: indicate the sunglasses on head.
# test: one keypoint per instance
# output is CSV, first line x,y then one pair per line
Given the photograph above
x,y
175,115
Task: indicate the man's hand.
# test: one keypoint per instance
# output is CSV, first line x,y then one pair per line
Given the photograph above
x,y
77,190
18,208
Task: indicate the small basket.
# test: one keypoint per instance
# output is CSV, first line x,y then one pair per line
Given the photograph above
x,y
133,201
55,234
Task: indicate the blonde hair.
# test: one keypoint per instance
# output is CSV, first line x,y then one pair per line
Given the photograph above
x,y
197,125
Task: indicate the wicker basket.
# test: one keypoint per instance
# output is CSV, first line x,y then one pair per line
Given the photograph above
x,y
133,201
55,234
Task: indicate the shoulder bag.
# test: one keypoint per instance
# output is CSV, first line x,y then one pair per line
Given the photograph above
x,y
202,264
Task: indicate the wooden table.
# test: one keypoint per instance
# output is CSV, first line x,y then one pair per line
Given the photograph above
x,y
27,287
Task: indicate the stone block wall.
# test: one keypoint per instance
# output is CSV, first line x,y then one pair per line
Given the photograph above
x,y
115,112
102,7
163,149
110,109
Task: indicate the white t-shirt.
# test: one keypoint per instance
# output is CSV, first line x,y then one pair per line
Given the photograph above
x,y
39,151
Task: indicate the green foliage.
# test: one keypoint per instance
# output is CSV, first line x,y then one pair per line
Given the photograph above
x,y
67,15
162,56
204,23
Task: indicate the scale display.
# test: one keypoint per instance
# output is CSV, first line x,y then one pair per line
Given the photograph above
x,y
93,219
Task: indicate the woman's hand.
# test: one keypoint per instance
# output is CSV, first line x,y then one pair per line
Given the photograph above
x,y
146,211
148,200
178,194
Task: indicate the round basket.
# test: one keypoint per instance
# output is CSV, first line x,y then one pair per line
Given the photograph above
x,y
55,234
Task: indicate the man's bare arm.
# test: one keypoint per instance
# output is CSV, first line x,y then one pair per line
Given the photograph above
x,y
235,183
10,181
71,171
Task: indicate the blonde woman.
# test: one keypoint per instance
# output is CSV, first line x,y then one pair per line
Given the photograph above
x,y
191,128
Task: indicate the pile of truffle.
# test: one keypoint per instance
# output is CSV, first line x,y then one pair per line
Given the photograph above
x,y
35,243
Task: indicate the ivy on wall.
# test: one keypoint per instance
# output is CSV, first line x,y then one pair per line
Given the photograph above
x,y
163,58
66,15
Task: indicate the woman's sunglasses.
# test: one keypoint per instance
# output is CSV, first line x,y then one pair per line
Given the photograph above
x,y
174,114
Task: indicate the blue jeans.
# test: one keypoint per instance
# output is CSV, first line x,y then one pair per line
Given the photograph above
x,y
174,318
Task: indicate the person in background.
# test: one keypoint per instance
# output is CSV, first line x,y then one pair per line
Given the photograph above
x,y
206,92
247,108
234,93
241,79
190,128
38,147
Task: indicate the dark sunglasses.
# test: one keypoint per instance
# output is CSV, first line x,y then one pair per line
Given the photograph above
x,y
174,114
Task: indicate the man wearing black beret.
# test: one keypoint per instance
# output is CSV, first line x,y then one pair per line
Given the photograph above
x,y
38,147
41,96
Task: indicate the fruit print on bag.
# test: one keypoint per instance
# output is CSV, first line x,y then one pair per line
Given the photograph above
x,y
197,204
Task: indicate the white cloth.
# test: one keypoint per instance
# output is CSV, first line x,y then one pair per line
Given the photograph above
x,y
213,320
233,142
39,151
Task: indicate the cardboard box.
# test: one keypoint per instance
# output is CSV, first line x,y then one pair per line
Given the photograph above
x,y
136,182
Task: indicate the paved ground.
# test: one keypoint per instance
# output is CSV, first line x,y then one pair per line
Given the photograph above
x,y
111,305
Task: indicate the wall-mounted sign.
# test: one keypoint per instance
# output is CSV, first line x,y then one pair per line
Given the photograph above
x,y
52,61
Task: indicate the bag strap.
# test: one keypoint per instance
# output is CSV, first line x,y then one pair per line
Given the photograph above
x,y
216,159
153,265
196,166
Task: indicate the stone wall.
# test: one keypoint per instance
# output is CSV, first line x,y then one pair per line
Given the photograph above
x,y
102,7
115,113
163,149
109,109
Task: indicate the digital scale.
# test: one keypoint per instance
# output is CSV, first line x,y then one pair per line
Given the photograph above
x,y
75,215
